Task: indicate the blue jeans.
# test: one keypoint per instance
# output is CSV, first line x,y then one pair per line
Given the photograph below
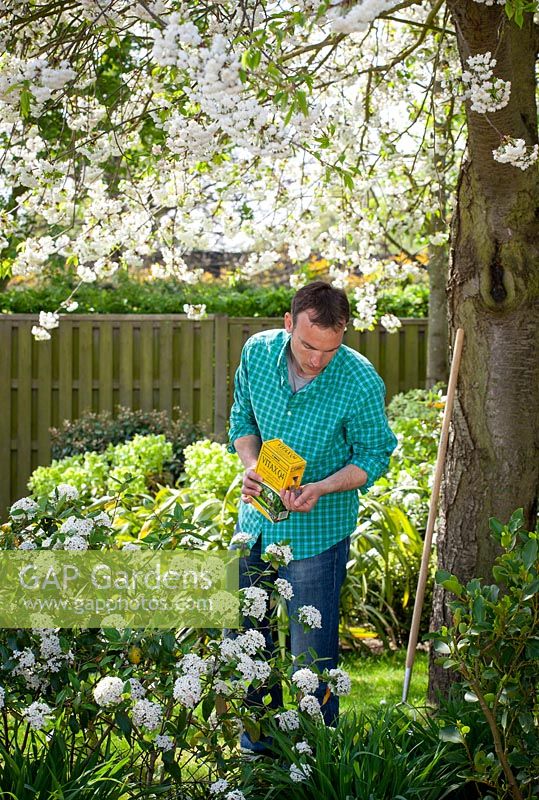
x,y
316,581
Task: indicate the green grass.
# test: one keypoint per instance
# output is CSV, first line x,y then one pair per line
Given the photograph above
x,y
379,679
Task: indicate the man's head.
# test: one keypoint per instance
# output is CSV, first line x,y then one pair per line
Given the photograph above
x,y
316,323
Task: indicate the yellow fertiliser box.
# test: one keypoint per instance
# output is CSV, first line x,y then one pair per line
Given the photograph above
x,y
280,467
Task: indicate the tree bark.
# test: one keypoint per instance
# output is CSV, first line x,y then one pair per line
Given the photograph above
x,y
437,343
492,464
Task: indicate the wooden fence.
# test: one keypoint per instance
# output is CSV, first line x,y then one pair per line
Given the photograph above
x,y
96,362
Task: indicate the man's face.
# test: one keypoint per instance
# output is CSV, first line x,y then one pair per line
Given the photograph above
x,y
312,347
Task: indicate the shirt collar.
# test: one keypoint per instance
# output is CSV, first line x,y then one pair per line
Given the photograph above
x,y
321,380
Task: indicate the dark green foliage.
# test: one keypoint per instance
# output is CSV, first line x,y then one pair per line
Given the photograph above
x,y
493,646
127,296
45,771
94,432
392,754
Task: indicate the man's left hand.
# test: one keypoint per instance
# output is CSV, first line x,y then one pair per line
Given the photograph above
x,y
303,500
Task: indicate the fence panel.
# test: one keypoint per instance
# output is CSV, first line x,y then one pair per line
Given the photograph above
x,y
151,361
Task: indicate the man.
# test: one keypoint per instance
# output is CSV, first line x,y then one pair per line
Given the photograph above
x,y
326,402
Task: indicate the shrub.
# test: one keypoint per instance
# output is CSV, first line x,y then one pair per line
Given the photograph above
x,y
95,432
416,418
493,646
243,299
385,555
136,464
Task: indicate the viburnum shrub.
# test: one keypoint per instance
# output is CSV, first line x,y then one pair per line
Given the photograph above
x,y
493,646
177,698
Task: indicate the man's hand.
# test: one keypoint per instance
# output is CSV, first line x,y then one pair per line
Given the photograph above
x,y
251,485
303,499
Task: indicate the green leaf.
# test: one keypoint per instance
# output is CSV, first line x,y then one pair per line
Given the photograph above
x,y
442,648
529,553
124,724
517,520
478,607
532,647
24,102
451,734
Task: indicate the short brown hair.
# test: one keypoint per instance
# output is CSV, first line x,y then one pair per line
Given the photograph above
x,y
328,306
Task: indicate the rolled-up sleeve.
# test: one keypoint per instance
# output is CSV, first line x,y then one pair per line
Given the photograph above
x,y
368,433
242,418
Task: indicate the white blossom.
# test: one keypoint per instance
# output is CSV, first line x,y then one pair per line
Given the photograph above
x,y
164,742
195,311
2,697
48,320
282,553
485,92
137,689
306,680
251,641
517,153
284,588
300,773
26,505
310,616
37,715
254,602
40,334
191,664
390,322
219,786
187,690
64,491
108,691
310,705
339,682
288,720
235,794
147,714
74,525
303,748
76,542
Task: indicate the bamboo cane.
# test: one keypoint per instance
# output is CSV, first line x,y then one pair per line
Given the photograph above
x,y
433,508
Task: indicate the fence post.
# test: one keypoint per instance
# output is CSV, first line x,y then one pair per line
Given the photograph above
x,y
220,354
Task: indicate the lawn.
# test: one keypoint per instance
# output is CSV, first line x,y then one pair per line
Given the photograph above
x,y
378,679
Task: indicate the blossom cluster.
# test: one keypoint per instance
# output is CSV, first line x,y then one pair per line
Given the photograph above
x,y
485,92
517,153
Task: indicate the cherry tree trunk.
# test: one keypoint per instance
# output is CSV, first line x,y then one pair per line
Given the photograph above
x,y
492,464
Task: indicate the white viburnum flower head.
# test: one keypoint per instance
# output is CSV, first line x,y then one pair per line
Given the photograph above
x,y
281,553
2,697
219,786
64,491
284,588
187,690
164,742
147,714
310,705
339,682
254,603
288,720
108,691
306,680
40,334
26,505
37,715
310,616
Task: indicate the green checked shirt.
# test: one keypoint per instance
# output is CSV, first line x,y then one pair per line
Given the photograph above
x,y
337,419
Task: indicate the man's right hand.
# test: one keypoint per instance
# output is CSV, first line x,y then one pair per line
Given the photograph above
x,y
251,485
